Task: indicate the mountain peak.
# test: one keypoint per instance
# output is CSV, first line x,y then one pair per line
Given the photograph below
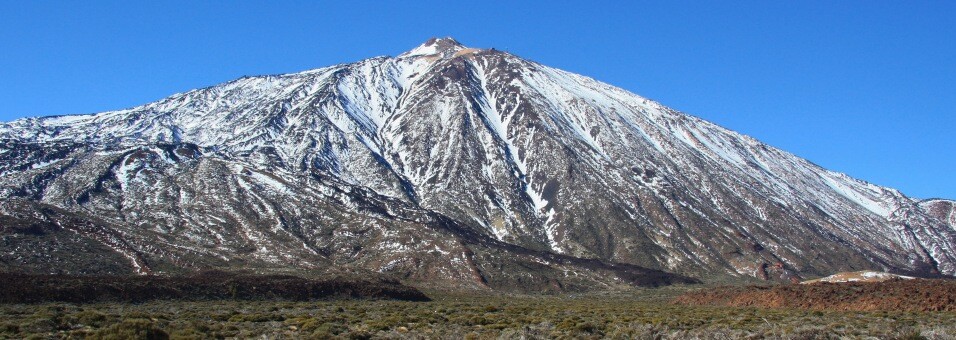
x,y
436,47
448,164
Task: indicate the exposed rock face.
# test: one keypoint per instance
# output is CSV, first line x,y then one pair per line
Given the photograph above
x,y
444,164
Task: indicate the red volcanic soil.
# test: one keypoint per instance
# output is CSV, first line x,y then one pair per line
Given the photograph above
x,y
894,295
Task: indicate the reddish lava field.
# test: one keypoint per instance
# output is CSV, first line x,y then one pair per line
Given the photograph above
x,y
893,295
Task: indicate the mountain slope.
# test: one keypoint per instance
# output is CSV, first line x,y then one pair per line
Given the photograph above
x,y
527,157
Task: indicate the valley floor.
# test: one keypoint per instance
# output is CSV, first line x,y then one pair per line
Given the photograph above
x,y
640,314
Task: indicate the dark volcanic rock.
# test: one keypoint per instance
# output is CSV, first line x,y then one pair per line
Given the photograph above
x,y
23,288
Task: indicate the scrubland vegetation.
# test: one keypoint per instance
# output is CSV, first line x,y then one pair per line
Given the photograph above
x,y
642,314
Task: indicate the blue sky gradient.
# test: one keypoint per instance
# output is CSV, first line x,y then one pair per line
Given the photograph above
x,y
867,88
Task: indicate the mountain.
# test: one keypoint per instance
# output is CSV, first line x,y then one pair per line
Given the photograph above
x,y
464,166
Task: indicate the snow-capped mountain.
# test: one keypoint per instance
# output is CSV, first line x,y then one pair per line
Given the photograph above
x,y
444,163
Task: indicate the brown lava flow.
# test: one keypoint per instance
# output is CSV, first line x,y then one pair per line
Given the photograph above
x,y
894,295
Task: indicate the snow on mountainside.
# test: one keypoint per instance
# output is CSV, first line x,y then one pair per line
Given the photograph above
x,y
944,210
860,276
528,157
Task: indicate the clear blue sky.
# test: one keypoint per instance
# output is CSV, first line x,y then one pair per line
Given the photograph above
x,y
867,88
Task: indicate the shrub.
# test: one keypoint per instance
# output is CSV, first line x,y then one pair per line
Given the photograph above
x,y
88,318
131,329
